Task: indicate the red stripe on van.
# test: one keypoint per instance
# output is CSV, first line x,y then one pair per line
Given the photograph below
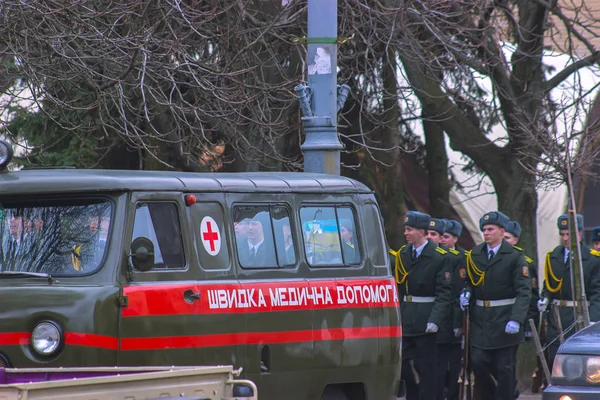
x,y
71,339
14,338
231,339
254,297
91,340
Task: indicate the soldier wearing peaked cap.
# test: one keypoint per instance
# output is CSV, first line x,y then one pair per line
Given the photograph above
x,y
596,238
498,295
449,335
557,283
422,274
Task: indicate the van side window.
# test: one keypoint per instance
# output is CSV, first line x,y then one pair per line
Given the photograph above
x,y
264,236
375,241
159,222
284,238
330,236
347,226
254,237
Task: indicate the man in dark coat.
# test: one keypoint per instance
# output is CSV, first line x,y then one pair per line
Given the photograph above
x,y
449,335
422,273
498,294
595,239
557,284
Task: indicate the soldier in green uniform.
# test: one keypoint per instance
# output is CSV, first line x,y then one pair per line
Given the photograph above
x,y
595,239
449,334
557,284
498,295
511,235
421,269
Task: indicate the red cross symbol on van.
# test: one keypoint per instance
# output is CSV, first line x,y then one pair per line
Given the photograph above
x,y
211,237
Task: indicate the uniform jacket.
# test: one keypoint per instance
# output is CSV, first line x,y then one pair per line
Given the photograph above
x,y
506,276
453,320
429,275
591,277
533,312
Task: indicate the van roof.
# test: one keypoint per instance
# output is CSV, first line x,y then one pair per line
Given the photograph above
x,y
97,180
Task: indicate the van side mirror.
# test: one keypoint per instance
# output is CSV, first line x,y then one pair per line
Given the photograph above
x,y
142,254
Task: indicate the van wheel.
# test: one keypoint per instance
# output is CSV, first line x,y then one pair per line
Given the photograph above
x,y
347,391
333,392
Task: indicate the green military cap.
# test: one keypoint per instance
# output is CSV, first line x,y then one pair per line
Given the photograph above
x,y
438,225
493,218
417,220
514,228
563,222
596,234
453,227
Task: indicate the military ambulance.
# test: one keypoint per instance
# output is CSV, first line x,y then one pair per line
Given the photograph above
x,y
141,268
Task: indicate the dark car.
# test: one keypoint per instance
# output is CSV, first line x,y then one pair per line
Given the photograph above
x,y
576,370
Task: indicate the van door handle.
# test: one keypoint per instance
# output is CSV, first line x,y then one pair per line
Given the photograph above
x,y
191,296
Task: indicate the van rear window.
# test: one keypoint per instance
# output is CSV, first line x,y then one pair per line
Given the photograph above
x,y
330,236
54,237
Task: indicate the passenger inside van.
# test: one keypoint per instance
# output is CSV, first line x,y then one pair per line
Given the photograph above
x,y
256,249
349,245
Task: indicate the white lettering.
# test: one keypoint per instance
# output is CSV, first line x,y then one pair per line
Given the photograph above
x,y
222,298
243,298
212,300
341,296
350,294
366,294
358,294
261,299
328,299
303,296
293,293
283,296
317,294
383,294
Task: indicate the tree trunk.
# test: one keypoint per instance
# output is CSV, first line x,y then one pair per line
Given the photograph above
x,y
517,198
437,168
388,181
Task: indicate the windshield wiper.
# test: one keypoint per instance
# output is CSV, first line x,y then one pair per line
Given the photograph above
x,y
25,273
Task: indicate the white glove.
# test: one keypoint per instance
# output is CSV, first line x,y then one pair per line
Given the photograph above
x,y
542,304
512,327
457,332
464,300
431,328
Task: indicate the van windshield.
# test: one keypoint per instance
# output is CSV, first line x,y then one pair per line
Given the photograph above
x,y
54,237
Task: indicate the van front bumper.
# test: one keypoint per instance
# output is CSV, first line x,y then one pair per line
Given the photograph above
x,y
571,393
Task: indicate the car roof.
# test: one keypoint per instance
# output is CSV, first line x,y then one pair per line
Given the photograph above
x,y
58,181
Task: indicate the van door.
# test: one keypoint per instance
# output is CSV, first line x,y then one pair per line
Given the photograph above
x,y
221,300
159,322
279,351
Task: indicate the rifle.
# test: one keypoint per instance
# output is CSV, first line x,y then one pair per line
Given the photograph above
x,y
465,388
538,384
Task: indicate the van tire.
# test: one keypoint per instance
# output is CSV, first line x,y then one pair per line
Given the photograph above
x,y
346,391
333,392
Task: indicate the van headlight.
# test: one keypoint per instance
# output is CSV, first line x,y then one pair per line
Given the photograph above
x,y
46,338
573,367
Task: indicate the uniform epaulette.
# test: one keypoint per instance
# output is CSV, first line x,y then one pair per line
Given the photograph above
x,y
394,252
528,259
518,248
595,252
453,251
440,250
